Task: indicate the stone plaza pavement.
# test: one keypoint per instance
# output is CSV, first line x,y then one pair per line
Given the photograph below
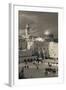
x,y
38,70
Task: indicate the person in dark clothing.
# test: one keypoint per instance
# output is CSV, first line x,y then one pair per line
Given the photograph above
x,y
21,74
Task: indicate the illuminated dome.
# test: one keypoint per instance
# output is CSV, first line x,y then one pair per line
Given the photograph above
x,y
47,32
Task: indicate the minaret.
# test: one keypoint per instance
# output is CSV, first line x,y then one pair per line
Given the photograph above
x,y
27,35
27,29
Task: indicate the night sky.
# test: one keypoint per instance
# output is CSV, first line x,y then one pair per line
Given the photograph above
x,y
39,22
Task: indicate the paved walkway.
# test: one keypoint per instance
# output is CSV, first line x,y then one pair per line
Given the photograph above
x,y
35,69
